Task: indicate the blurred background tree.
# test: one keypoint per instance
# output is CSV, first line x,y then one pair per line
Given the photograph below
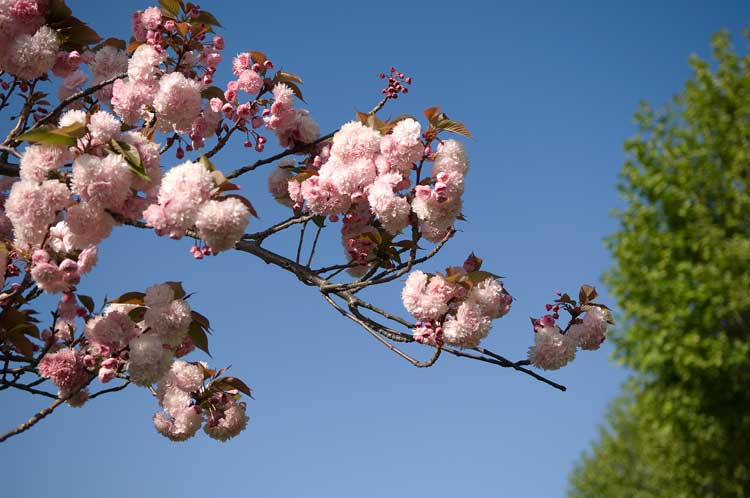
x,y
681,275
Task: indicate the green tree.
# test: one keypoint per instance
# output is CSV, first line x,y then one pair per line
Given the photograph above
x,y
681,276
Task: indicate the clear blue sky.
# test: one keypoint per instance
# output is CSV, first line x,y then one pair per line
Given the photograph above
x,y
548,89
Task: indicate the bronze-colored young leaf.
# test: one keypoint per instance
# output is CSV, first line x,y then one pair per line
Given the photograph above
x,y
230,383
171,6
201,319
213,92
587,294
206,17
198,335
247,203
287,77
452,126
87,302
258,57
130,298
179,291
431,112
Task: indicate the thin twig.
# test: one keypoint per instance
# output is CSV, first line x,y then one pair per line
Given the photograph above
x,y
79,95
43,413
314,246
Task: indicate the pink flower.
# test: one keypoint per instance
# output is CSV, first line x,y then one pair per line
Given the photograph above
x,y
39,160
114,330
64,368
177,103
183,190
468,327
170,321
589,334
151,18
32,207
240,63
355,141
225,424
103,182
103,127
221,224
30,57
551,349
149,361
278,182
423,304
249,81
391,209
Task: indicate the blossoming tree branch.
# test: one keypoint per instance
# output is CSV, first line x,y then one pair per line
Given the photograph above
x,y
96,154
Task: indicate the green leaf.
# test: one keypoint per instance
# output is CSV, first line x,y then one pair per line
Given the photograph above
x,y
47,136
132,157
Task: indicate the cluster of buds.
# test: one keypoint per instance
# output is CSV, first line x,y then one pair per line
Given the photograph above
x,y
396,83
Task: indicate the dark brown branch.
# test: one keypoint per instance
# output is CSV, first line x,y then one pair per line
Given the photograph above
x,y
110,390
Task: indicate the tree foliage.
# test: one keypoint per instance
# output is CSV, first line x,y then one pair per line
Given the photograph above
x,y
681,276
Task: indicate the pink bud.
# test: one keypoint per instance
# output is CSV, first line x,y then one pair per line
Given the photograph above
x,y
105,375
268,64
112,363
170,25
259,147
180,153
256,67
207,79
547,321
333,218
89,361
218,42
216,104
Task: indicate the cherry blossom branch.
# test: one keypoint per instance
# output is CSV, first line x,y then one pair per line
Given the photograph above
x,y
260,236
76,96
280,155
296,149
308,277
37,417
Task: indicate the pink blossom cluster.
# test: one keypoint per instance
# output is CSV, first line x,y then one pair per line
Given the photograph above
x,y
455,309
174,95
182,416
59,217
554,348
65,368
290,125
28,48
184,200
141,342
365,177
